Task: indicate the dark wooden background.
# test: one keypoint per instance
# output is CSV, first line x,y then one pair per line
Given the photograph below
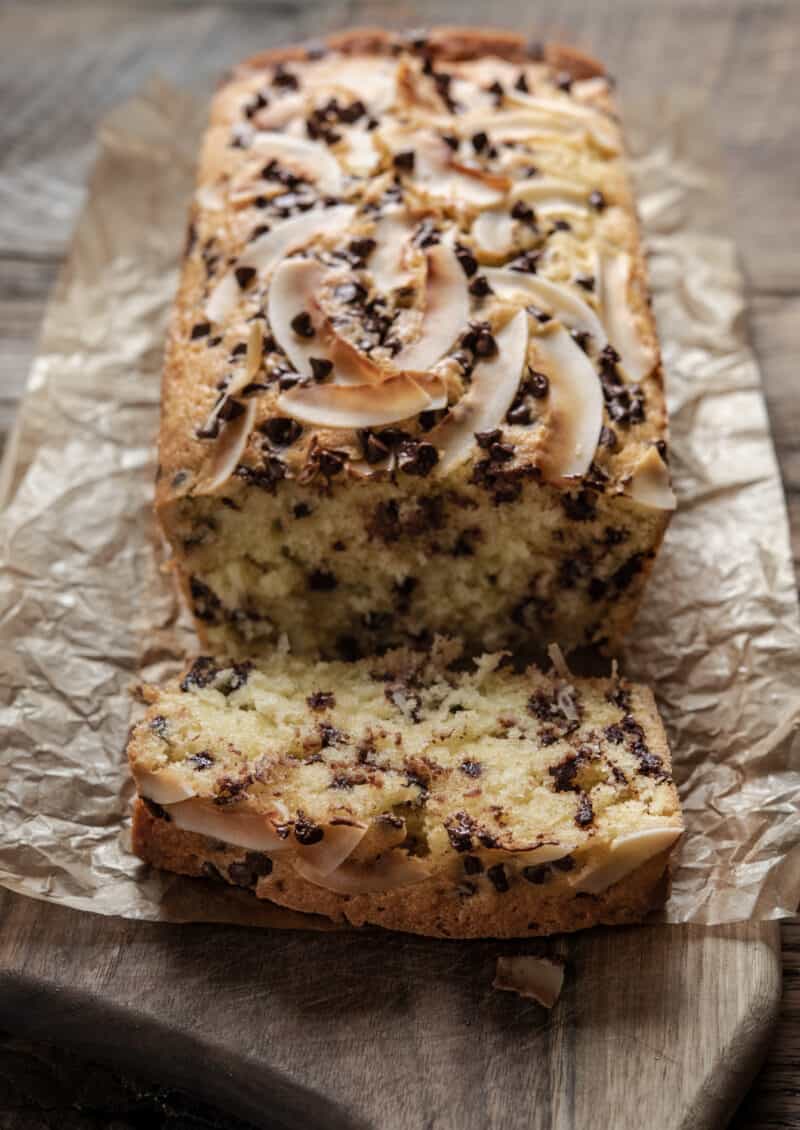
x,y
64,63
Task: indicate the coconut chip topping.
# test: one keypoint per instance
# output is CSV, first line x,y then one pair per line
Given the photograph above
x,y
539,978
415,236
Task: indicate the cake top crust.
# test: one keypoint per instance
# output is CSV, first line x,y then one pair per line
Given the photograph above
x,y
414,255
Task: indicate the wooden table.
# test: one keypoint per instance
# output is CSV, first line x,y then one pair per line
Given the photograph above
x,y
63,65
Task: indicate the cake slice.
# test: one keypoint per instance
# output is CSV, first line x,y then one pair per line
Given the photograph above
x,y
414,790
412,376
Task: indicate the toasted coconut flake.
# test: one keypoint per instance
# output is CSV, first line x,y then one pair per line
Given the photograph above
x,y
210,198
311,159
551,195
339,840
439,176
228,450
280,112
483,407
360,154
164,786
255,350
295,289
538,852
567,114
446,311
389,264
576,404
390,870
493,232
556,299
262,255
626,854
362,406
539,978
650,483
247,829
559,662
637,358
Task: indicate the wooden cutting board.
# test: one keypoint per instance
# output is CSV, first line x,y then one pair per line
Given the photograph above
x,y
657,1027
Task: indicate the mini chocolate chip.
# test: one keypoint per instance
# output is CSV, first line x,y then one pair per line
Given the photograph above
x,y
330,462
469,264
480,286
417,458
202,329
404,161
471,768
486,439
306,831
562,225
472,865
302,324
373,447
321,367
479,141
527,263
585,281
581,338
301,510
524,212
608,438
202,760
321,700
563,81
519,414
281,430
597,200
362,248
239,350
537,384
585,813
427,234
285,79
322,581
230,409
258,230
451,141
521,83
537,874
213,342
498,878
244,276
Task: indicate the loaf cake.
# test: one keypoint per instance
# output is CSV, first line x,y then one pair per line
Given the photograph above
x,y
412,382
417,791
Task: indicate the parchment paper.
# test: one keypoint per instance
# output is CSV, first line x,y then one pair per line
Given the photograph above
x,y
84,607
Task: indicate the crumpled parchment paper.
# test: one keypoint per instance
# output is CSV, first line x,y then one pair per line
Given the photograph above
x,y
85,609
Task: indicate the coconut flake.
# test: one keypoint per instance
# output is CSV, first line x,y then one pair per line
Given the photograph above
x,y
311,159
637,358
564,114
576,404
360,154
539,978
254,830
295,288
228,449
274,245
339,840
650,483
388,262
363,406
392,869
446,310
493,233
558,661
627,853
495,383
164,786
555,298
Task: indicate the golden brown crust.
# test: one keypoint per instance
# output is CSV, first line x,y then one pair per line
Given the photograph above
x,y
432,908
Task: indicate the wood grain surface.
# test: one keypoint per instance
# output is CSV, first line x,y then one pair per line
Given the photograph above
x,y
62,66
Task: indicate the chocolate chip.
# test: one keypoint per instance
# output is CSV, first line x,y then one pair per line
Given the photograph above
x,y
581,339
527,263
301,510
258,102
562,225
472,865
284,79
585,813
362,248
247,873
322,581
597,200
404,161
537,874
353,112
486,439
581,507
330,462
608,438
519,414
524,212
479,141
427,234
563,81
451,141
230,409
497,90
321,700
202,672
521,83
201,760
244,276
417,458
281,430
306,832
202,329
213,342
537,384
321,367
471,768
585,281
373,448
498,878
469,264
257,232
460,828
302,324
266,477
479,287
